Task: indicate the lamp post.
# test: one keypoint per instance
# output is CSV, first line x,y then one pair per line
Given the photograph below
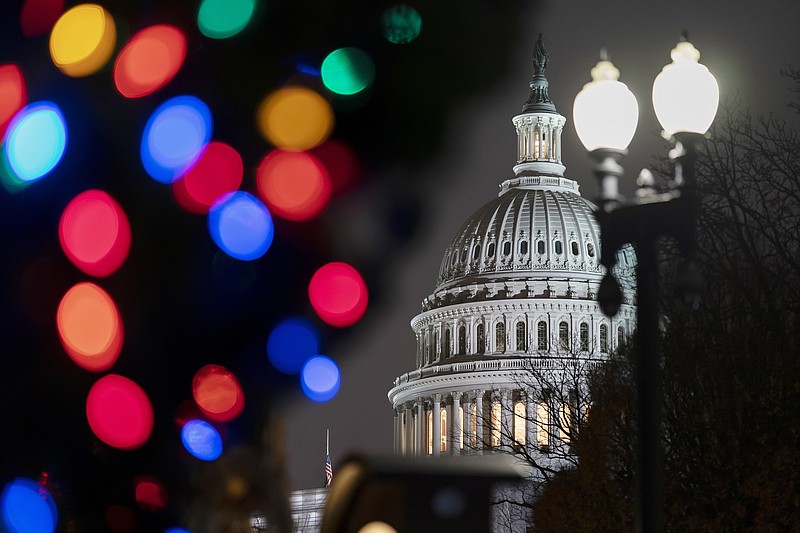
x,y
605,113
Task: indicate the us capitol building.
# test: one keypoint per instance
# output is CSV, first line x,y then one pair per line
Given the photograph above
x,y
515,296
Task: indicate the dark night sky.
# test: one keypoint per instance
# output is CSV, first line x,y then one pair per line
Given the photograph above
x,y
435,139
744,48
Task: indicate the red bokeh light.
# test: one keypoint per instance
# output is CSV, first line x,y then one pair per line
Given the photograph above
x,y
120,519
94,233
13,95
149,61
39,16
218,171
294,185
90,327
218,393
338,294
119,412
150,493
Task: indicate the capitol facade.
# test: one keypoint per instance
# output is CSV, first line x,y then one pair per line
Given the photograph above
x,y
515,299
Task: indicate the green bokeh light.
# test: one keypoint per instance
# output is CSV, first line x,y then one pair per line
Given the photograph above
x,y
401,24
220,19
348,71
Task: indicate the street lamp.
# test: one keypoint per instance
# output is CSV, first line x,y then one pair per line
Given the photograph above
x,y
685,98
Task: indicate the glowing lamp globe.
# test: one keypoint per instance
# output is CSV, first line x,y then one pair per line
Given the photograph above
x,y
605,112
685,93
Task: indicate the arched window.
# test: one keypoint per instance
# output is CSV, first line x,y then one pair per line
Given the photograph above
x,y
603,338
464,255
519,423
541,330
490,250
574,246
590,249
584,337
447,344
522,341
542,422
507,248
523,247
500,337
480,339
620,336
558,248
540,247
563,335
443,430
462,340
476,252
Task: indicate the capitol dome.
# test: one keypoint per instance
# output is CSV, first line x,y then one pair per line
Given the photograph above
x,y
516,293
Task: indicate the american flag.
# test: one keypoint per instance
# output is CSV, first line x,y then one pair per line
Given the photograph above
x,y
328,471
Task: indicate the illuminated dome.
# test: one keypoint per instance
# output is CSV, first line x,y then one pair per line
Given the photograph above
x,y
515,295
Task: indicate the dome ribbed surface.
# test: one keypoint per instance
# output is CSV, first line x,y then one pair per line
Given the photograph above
x,y
548,227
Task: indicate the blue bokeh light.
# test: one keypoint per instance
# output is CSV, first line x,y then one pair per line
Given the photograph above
x,y
240,224
175,137
35,140
27,507
320,378
176,530
202,440
292,342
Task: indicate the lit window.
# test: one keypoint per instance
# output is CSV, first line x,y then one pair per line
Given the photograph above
x,y
563,335
519,423
429,434
462,340
496,412
558,248
523,247
542,335
603,338
584,337
574,246
542,423
564,422
522,343
460,422
500,337
473,423
539,247
480,339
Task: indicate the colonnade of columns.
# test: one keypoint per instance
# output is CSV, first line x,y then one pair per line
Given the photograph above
x,y
470,422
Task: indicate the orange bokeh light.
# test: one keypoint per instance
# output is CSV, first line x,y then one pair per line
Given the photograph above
x,y
149,61
218,393
295,118
295,185
94,233
218,171
13,95
90,327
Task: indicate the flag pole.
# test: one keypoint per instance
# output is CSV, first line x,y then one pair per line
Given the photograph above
x,y
327,442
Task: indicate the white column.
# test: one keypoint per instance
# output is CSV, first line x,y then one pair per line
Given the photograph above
x,y
436,438
456,424
419,429
480,421
468,421
396,439
530,422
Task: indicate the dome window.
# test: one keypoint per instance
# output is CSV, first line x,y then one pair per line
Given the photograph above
x,y
620,336
584,337
541,330
500,337
523,247
480,335
507,248
540,247
559,249
522,344
464,255
490,250
603,338
476,252
435,354
563,335
590,249
462,340
574,246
